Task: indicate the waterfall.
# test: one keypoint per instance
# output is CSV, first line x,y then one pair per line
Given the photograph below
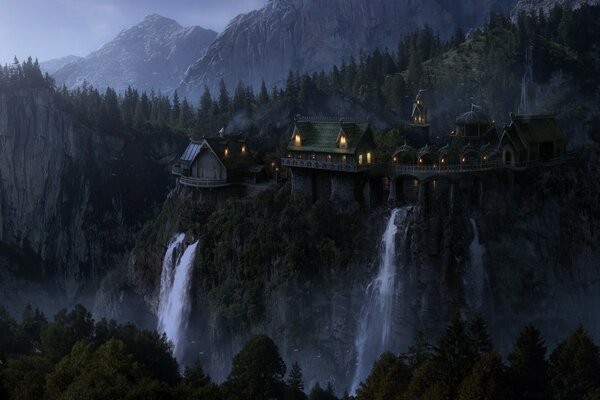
x,y
175,286
528,102
373,334
475,277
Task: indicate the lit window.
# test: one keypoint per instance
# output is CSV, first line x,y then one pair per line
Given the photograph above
x,y
226,151
443,161
244,149
464,159
297,140
395,159
369,158
421,160
343,142
360,159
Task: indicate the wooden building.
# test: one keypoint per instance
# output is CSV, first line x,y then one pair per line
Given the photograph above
x,y
531,139
326,156
214,162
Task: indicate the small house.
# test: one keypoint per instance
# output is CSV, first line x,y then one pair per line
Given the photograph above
x,y
532,139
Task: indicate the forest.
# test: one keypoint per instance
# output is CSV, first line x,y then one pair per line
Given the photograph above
x,y
74,357
484,68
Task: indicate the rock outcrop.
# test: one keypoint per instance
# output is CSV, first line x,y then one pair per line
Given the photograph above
x,y
71,200
151,55
311,35
529,6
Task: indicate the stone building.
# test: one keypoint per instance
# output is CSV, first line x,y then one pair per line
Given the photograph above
x,y
327,157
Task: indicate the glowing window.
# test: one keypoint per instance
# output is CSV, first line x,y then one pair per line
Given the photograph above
x,y
360,159
297,140
226,151
369,158
244,149
343,142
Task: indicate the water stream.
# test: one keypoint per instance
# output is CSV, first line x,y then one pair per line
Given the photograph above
x,y
175,287
373,334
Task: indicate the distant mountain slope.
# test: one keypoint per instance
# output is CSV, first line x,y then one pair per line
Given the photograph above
x,y
151,55
547,5
309,35
51,66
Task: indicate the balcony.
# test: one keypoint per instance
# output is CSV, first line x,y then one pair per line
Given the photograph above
x,y
202,182
324,165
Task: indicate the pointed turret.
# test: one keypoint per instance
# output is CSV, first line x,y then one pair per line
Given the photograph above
x,y
419,112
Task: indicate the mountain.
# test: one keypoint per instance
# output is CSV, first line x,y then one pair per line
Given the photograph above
x,y
151,55
51,66
310,35
547,5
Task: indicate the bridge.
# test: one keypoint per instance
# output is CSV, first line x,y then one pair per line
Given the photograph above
x,y
393,170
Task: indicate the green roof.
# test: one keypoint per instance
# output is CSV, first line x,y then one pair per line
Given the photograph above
x,y
533,129
322,136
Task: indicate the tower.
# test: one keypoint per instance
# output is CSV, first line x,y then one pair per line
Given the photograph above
x,y
419,118
419,112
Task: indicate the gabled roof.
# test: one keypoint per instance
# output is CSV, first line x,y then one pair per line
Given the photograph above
x,y
235,158
322,135
533,129
473,117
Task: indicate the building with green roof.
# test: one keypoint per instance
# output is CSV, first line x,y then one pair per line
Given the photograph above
x,y
326,156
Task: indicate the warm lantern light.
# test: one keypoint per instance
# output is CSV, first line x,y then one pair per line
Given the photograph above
x,y
464,159
421,160
343,142
484,158
443,161
368,158
395,159
297,140
360,159
313,156
244,149
329,157
344,159
226,151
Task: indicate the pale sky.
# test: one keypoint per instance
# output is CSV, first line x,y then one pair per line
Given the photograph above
x,y
49,29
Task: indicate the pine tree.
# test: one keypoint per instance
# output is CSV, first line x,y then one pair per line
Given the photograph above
x,y
176,109
295,384
479,336
574,367
205,102
223,97
263,96
528,368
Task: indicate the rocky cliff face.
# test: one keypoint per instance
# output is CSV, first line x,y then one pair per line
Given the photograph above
x,y
529,6
517,248
151,55
311,35
70,200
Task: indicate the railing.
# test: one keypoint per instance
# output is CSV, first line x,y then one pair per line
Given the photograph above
x,y
201,182
442,169
351,167
315,164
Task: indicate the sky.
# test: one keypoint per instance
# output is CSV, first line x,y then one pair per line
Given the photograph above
x,y
49,29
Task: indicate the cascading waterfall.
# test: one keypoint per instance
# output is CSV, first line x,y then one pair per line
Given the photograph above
x,y
375,322
476,277
175,286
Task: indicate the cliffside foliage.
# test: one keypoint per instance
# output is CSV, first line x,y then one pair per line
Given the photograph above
x,y
74,356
